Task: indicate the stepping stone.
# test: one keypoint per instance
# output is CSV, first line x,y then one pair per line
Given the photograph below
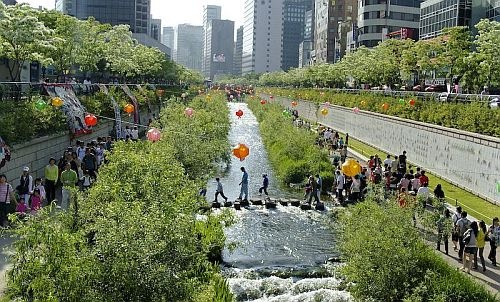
x,y
270,205
257,202
305,206
237,206
215,205
320,207
228,204
244,203
283,203
295,202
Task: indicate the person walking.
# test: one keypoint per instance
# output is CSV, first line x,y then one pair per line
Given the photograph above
x,y
320,185
439,193
265,184
462,226
443,226
314,190
25,188
454,234
494,235
339,182
69,178
6,197
355,189
219,190
481,242
244,185
51,178
469,241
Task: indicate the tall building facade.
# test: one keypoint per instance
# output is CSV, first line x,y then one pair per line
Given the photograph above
x,y
218,57
262,36
155,29
328,17
189,46
168,36
294,19
238,51
210,12
9,2
493,10
307,44
135,13
379,19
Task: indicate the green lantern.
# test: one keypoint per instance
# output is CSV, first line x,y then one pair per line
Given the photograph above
x,y
402,101
286,113
40,104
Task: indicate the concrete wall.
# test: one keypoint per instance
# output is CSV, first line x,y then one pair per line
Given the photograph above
x,y
469,160
36,153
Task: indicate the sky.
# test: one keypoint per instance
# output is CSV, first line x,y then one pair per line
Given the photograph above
x,y
173,12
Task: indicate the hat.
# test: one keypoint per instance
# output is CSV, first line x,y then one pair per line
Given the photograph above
x,y
26,169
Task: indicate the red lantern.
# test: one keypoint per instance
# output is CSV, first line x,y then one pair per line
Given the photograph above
x,y
129,108
271,97
153,135
385,106
262,102
294,103
90,120
412,102
241,151
239,113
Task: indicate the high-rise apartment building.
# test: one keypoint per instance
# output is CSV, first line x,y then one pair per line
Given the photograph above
x,y
155,29
210,12
135,13
168,36
238,51
380,19
218,57
307,45
294,14
189,46
262,34
328,17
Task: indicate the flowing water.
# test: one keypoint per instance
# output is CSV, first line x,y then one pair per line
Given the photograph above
x,y
281,253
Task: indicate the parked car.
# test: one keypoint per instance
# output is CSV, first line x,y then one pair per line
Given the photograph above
x,y
436,88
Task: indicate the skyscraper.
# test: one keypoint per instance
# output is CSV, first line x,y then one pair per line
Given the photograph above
x,y
168,37
294,14
189,46
238,51
135,13
155,30
306,46
218,58
262,34
210,12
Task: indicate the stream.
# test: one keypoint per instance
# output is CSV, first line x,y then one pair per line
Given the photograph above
x,y
281,254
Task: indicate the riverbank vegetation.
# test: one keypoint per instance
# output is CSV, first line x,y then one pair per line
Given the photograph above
x,y
473,117
386,259
135,235
292,151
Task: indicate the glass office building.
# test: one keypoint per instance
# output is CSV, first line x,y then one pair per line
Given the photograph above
x,y
493,10
294,15
436,15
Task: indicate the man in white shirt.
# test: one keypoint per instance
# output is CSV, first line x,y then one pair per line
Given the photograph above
x,y
424,194
340,180
388,162
135,133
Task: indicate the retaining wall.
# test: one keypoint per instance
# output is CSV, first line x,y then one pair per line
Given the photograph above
x,y
36,153
468,160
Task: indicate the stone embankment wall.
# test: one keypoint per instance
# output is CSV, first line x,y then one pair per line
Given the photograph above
x,y
468,160
36,153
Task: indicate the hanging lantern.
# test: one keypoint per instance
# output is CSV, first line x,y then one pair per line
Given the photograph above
x,y
189,112
324,111
90,120
271,97
402,101
327,104
57,102
153,135
263,102
286,113
356,110
363,103
241,151
239,113
40,104
294,104
160,92
412,102
385,106
129,108
351,168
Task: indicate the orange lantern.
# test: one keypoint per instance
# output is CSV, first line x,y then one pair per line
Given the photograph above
x,y
241,151
262,102
129,108
90,120
412,102
385,106
153,135
351,168
294,103
324,111
57,102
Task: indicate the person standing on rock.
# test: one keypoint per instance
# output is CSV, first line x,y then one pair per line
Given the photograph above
x,y
219,190
265,184
244,185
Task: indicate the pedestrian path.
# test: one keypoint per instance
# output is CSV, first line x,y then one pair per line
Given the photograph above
x,y
490,278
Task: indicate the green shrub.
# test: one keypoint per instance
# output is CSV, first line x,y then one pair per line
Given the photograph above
x,y
388,261
474,117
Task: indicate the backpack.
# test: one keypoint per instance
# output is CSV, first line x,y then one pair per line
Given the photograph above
x,y
464,226
466,238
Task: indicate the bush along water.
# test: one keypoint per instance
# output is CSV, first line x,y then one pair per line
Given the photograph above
x,y
292,151
474,117
135,235
386,259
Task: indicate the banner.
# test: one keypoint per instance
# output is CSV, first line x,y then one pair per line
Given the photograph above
x,y
72,108
137,119
118,116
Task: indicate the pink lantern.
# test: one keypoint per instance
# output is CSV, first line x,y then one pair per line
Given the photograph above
x,y
153,135
189,112
356,110
327,104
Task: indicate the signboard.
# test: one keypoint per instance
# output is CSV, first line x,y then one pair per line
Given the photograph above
x,y
219,58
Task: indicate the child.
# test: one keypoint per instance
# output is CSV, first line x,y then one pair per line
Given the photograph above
x,y
87,180
36,201
21,208
41,189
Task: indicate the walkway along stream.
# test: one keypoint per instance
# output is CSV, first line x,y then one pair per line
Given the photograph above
x,y
281,253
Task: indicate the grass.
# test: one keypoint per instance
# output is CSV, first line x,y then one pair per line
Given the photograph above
x,y
474,205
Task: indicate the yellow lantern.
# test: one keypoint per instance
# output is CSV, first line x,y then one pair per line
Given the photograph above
x,y
57,102
351,168
324,111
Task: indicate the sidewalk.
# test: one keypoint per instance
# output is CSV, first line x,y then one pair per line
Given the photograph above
x,y
490,279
